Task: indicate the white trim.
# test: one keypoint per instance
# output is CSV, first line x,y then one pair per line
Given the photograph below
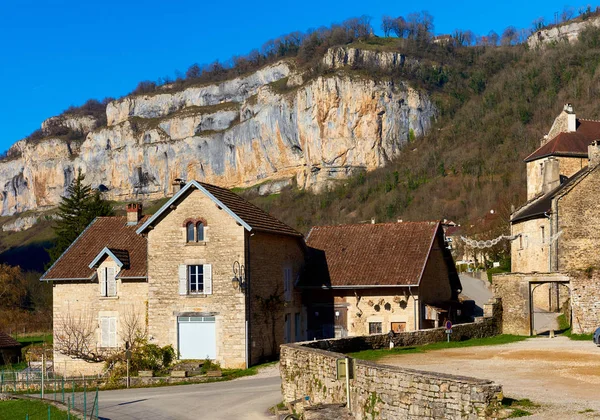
x,y
101,254
182,191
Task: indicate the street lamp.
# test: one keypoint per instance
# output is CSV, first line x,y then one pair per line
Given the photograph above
x,y
239,277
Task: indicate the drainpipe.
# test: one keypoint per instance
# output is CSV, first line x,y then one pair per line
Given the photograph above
x,y
549,244
247,300
414,307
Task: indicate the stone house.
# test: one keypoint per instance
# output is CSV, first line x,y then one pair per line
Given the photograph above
x,y
556,232
209,273
373,278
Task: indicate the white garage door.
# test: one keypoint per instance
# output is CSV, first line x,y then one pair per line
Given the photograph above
x,y
197,337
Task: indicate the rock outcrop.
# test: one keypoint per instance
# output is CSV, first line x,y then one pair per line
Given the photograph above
x,y
569,32
272,128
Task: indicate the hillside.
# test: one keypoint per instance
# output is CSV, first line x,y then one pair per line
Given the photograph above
x,y
381,127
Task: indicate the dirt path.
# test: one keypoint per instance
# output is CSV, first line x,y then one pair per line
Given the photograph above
x,y
561,375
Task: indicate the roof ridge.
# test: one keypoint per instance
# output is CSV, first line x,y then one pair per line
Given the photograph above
x,y
429,222
588,119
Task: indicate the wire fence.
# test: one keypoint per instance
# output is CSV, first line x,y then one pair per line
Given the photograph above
x,y
79,394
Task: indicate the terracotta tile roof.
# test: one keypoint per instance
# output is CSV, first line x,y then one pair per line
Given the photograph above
x,y
538,207
111,232
245,212
570,144
384,254
255,217
7,341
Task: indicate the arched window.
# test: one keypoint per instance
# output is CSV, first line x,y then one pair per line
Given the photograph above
x,y
189,232
199,232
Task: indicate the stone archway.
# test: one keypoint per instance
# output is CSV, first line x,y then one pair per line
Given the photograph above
x,y
547,301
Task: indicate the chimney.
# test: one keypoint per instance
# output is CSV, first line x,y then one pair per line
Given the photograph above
x,y
594,154
134,213
177,184
551,174
372,220
571,119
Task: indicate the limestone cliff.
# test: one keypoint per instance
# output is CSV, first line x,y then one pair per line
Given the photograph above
x,y
568,31
273,127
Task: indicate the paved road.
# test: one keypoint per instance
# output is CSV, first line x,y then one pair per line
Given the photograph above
x,y
246,398
475,289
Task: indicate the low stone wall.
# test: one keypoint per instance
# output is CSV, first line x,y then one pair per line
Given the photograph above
x,y
389,392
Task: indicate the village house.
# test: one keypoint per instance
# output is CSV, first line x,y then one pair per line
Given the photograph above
x,y
209,273
376,278
556,232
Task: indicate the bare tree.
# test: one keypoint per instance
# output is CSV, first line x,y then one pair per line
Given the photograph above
x,y
75,336
387,23
493,38
193,72
538,24
133,329
399,27
509,36
567,14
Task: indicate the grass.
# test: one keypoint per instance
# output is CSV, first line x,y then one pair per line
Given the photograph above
x,y
565,326
20,409
517,407
35,339
490,341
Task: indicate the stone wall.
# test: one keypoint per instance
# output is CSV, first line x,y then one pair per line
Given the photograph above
x,y
269,256
528,255
387,392
579,220
585,301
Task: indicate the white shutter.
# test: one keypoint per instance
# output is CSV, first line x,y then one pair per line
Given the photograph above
x,y
183,288
112,332
111,281
207,278
102,281
104,332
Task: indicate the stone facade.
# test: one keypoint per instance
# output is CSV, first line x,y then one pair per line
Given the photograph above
x,y
530,252
276,317
568,166
516,291
386,392
83,303
585,301
577,215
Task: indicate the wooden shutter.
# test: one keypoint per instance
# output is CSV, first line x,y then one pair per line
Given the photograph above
x,y
183,287
287,284
104,332
111,281
112,332
102,281
207,278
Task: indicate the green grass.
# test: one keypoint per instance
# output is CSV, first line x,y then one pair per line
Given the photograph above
x,y
565,326
490,341
19,409
517,407
35,339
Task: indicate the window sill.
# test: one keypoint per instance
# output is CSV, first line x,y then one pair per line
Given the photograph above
x,y
109,297
203,243
195,295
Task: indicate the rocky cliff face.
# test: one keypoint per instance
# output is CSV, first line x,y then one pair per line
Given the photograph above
x,y
274,127
568,31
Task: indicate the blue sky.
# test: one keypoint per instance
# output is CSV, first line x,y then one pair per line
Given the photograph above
x,y
60,53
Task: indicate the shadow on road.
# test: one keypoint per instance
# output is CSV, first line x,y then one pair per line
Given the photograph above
x,y
133,402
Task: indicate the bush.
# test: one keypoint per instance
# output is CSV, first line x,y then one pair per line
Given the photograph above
x,y
144,356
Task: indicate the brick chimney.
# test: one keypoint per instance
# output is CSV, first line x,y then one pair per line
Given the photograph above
x,y
571,119
134,213
551,175
594,154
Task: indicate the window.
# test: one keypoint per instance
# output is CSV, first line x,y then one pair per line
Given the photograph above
x,y
288,329
374,327
108,281
398,327
543,235
287,284
194,231
108,331
195,279
199,232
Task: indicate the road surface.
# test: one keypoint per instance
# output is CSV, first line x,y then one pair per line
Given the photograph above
x,y
477,290
246,398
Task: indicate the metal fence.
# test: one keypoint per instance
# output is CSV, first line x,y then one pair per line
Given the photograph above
x,y
79,394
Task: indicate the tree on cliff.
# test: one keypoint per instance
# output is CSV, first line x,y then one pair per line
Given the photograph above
x,y
76,210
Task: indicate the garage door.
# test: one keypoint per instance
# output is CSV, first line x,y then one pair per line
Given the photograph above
x,y
197,337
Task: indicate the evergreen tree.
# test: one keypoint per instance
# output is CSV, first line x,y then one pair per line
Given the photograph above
x,y
76,211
